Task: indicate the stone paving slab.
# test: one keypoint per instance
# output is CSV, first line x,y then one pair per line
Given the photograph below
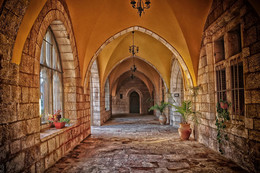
x,y
138,144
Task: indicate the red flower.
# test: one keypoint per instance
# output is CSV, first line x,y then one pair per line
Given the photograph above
x,y
224,105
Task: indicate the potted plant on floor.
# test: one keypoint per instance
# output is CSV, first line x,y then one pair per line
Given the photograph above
x,y
186,111
160,107
61,123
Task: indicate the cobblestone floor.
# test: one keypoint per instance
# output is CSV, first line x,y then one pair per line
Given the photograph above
x,y
139,144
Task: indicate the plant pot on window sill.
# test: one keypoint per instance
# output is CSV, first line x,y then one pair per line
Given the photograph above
x,y
51,125
59,125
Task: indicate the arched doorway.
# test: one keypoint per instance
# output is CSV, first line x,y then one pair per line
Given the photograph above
x,y
134,102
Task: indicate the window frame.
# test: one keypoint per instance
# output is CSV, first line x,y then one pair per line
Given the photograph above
x,y
52,69
220,92
226,64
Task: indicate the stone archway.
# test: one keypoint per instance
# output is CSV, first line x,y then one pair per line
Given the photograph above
x,y
26,78
61,27
176,54
140,94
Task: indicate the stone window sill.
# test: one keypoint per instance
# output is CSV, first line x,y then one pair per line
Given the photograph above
x,y
49,133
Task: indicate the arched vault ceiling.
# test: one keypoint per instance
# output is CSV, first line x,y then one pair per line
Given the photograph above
x,y
150,49
96,21
180,23
99,20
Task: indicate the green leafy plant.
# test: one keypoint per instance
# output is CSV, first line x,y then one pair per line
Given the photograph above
x,y
221,119
160,107
186,110
66,120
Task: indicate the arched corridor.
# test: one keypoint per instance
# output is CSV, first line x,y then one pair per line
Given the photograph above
x,y
84,85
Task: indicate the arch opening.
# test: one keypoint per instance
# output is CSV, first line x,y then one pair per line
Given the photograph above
x,y
134,102
175,53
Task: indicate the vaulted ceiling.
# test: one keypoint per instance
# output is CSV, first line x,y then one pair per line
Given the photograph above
x,y
179,23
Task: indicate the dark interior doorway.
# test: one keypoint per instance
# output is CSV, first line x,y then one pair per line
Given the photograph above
x,y
134,103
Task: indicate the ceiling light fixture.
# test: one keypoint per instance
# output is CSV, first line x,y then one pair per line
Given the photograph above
x,y
133,50
140,6
132,76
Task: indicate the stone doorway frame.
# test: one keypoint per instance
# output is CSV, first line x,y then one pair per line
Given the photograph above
x,y
128,92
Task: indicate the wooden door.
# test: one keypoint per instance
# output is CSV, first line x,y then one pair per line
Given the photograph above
x,y
134,103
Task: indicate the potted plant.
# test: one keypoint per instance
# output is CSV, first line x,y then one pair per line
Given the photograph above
x,y
221,119
51,119
186,111
57,115
61,123
160,107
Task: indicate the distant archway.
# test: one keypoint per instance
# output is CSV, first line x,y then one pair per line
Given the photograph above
x,y
176,54
134,102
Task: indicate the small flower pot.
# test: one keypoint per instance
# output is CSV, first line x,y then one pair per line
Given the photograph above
x,y
59,125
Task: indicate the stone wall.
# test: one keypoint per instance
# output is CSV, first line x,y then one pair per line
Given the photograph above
x,y
243,131
24,144
122,105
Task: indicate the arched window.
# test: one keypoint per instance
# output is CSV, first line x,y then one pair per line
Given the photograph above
x,y
107,96
51,85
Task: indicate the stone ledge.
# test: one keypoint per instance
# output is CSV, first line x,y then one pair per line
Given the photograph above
x,y
52,132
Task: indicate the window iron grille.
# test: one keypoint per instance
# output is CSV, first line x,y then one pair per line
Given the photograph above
x,y
237,87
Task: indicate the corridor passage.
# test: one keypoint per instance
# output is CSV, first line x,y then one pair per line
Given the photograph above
x,y
134,143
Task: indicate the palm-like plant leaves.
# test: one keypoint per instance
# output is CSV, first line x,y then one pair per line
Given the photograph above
x,y
185,110
160,107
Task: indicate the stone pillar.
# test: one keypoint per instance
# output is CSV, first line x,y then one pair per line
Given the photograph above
x,y
95,96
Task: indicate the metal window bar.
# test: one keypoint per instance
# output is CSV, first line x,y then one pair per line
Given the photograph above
x,y
221,84
237,89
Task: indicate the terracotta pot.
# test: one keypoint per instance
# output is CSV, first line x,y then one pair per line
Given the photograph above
x,y
162,119
59,125
184,131
51,125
